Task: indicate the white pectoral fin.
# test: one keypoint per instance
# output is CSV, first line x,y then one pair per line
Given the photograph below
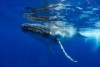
x,y
66,54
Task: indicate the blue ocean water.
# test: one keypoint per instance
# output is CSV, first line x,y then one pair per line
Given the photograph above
x,y
18,49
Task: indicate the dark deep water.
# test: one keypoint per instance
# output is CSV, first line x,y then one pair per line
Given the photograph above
x,y
18,49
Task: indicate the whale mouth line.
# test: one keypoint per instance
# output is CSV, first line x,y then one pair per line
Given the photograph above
x,y
36,28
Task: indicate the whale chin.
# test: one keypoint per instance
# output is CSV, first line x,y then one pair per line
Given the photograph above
x,y
35,28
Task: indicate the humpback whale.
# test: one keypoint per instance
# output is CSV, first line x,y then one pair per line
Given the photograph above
x,y
51,28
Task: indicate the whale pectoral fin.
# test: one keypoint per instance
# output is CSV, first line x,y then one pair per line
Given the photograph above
x,y
66,54
51,49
